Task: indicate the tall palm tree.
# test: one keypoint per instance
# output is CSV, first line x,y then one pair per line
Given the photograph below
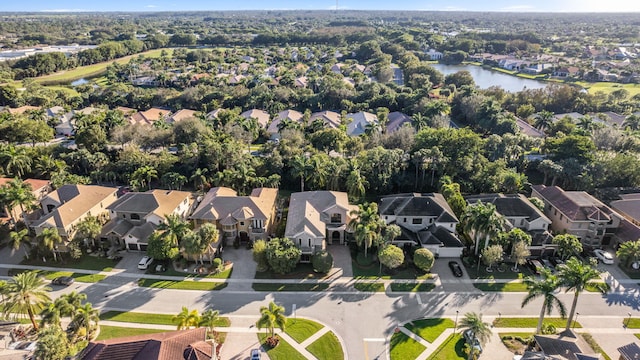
x,y
629,252
74,299
575,276
209,235
480,329
88,229
84,316
546,288
272,316
20,238
480,222
49,239
356,183
187,318
367,226
199,178
174,228
632,122
53,313
209,319
16,160
27,293
300,167
543,120
17,193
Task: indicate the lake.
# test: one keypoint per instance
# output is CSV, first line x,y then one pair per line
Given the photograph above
x,y
485,78
81,81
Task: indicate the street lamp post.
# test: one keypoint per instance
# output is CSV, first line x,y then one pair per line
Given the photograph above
x,y
628,320
455,328
575,321
479,261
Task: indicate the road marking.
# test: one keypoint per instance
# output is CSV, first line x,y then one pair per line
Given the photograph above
x,y
374,339
418,299
293,310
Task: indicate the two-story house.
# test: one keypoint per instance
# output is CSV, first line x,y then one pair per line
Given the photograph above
x,y
136,215
522,214
578,213
65,207
316,218
249,218
425,220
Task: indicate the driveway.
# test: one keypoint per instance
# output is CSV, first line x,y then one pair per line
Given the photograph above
x,y
243,268
448,281
341,260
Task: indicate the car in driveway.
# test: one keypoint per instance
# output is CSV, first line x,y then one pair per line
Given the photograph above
x,y
255,354
603,256
535,266
472,340
144,263
63,280
455,268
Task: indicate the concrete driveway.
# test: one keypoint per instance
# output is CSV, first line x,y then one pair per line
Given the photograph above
x,y
448,281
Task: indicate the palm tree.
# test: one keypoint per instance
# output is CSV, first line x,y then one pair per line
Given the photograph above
x,y
356,183
84,316
480,221
20,238
17,193
299,168
199,178
367,226
479,329
629,252
209,235
586,123
54,311
209,319
88,229
272,316
546,288
49,239
575,277
187,318
16,160
632,122
74,299
543,120
175,228
27,293
144,175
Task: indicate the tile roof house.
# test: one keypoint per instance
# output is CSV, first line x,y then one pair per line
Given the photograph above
x,y
578,213
262,116
528,129
316,218
21,110
181,115
522,214
629,352
65,207
39,189
331,119
397,120
629,207
247,217
150,116
136,215
566,346
287,115
426,220
357,122
63,120
173,345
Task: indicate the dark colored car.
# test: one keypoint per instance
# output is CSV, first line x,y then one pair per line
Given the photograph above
x,y
455,268
556,261
63,280
535,266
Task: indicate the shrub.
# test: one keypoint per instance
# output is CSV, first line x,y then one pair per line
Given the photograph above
x,y
282,255
322,262
424,259
217,264
260,255
391,256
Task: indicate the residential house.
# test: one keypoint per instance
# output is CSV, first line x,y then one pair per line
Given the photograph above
x,y
396,120
21,110
568,71
149,81
578,213
150,116
434,55
63,120
536,69
522,214
527,129
331,119
316,218
575,116
629,207
337,68
357,123
566,345
629,352
301,82
181,115
249,218
39,189
136,215
213,114
426,220
273,129
262,116
65,207
609,118
188,344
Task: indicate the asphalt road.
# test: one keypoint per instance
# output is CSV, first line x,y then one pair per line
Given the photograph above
x,y
363,320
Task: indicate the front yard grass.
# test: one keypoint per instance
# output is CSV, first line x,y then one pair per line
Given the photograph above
x,y
50,275
632,274
633,323
182,285
503,287
451,349
171,271
289,287
403,347
301,329
532,322
283,351
327,347
149,318
594,345
411,287
110,332
369,286
481,273
429,329
86,262
302,271
515,341
372,271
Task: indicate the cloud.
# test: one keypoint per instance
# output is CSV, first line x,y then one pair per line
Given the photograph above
x,y
517,8
150,6
65,10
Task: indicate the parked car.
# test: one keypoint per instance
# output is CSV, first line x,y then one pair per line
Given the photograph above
x,y
535,265
455,268
63,280
255,354
556,261
144,263
472,340
603,256
547,264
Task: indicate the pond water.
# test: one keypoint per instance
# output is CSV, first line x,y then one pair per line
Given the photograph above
x,y
485,78
81,81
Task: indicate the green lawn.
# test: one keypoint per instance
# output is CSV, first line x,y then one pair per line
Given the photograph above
x,y
451,349
50,275
594,345
531,322
411,287
86,262
608,87
634,323
301,329
182,285
283,351
481,273
429,329
592,288
149,318
403,347
637,335
302,271
369,286
327,347
503,287
110,332
171,271
289,287
373,272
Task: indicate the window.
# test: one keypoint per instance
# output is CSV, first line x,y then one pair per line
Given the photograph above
x,y
336,218
521,222
561,217
404,220
241,223
309,242
135,217
416,221
555,212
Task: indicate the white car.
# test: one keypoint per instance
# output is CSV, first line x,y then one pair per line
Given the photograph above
x,y
145,262
603,256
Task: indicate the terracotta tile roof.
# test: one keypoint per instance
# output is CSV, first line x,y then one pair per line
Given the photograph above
x,y
173,345
306,209
331,118
182,114
159,202
220,203
262,116
576,205
155,114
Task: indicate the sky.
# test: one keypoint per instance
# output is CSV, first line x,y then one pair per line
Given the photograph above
x,y
426,5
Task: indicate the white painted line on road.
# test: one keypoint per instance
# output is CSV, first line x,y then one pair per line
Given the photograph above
x,y
374,339
418,299
293,310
